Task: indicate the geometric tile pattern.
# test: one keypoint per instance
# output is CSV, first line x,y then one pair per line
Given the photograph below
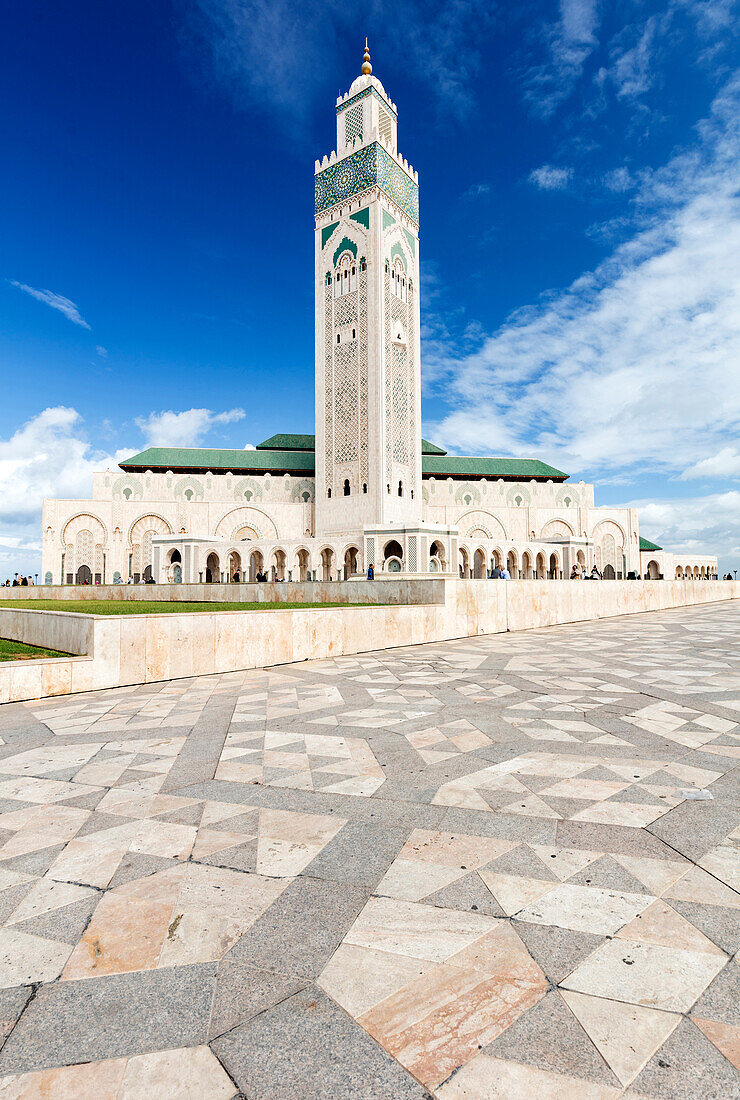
x,y
498,867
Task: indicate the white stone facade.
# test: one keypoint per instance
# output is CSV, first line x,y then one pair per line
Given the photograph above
x,y
358,494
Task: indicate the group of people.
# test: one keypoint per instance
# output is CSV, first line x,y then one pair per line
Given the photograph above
x,y
19,582
579,573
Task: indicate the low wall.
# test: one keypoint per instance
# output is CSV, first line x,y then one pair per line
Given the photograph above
x,y
64,631
136,649
424,589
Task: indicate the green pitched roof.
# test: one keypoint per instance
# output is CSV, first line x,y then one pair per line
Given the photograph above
x,y
299,461
645,544
200,459
288,443
308,443
513,469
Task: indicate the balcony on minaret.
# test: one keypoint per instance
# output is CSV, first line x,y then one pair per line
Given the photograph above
x,y
366,113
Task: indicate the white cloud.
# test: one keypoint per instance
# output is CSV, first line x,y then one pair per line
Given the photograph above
x,y
635,365
477,191
550,178
56,301
631,68
726,463
48,456
695,525
570,42
269,58
619,180
183,429
102,352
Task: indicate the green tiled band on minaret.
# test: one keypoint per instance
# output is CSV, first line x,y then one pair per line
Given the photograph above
x,y
326,233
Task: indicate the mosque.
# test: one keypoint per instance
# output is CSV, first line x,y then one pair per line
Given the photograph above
x,y
367,488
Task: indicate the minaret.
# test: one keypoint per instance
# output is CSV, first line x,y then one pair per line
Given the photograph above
x,y
368,375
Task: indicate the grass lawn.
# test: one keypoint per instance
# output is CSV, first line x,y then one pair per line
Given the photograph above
x,y
19,651
156,607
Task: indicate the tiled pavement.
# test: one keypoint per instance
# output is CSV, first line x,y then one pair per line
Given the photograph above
x,y
483,869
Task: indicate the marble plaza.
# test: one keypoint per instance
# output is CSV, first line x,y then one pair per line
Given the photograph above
x,y
489,868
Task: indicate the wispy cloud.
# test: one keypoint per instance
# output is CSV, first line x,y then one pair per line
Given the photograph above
x,y
619,180
570,41
270,60
477,191
183,429
550,178
632,368
56,301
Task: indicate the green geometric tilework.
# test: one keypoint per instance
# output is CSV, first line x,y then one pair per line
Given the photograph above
x,y
411,240
368,167
388,221
343,245
398,251
326,232
362,217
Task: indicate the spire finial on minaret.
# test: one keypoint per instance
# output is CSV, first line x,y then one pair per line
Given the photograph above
x,y
366,66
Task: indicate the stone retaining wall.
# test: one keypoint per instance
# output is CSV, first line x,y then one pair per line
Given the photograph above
x,y
135,649
405,589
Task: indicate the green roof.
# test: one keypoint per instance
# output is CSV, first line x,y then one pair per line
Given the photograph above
x,y
645,544
300,461
199,459
288,443
308,443
513,469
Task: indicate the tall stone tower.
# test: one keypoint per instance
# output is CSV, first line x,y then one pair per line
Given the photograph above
x,y
368,374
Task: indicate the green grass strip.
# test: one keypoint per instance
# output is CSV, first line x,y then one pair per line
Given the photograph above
x,y
19,651
157,607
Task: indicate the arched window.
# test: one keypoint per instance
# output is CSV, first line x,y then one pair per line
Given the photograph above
x,y
388,488
328,493
346,279
400,488
346,487
364,487
338,338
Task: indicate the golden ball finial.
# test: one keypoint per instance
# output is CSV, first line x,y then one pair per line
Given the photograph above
x,y
366,66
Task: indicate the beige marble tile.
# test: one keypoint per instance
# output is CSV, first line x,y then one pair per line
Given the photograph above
x,y
125,934
25,959
164,838
421,931
661,924
195,1070
646,974
514,892
656,874
46,896
585,909
359,978
564,862
626,1035
486,1078
697,885
726,1038
101,1080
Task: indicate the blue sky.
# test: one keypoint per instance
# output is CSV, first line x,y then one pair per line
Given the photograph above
x,y
580,223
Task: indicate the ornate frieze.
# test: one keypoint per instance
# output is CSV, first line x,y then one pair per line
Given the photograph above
x,y
368,167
